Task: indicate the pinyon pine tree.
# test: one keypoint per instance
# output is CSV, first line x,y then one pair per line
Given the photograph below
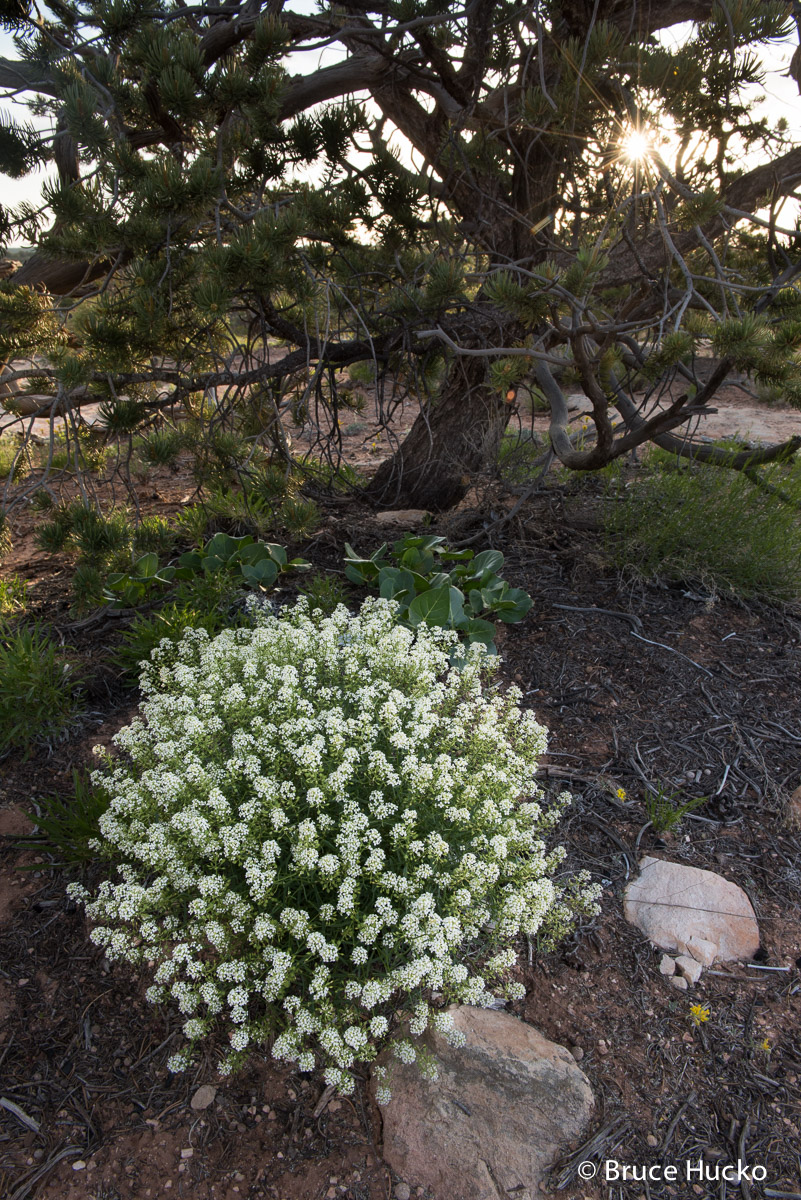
x,y
463,198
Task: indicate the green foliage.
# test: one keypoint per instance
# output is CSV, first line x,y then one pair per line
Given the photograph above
x,y
324,592
14,462
162,447
5,535
69,827
241,560
39,691
462,597
154,534
13,596
687,521
666,810
147,631
298,517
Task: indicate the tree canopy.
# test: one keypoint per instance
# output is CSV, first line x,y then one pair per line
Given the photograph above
x,y
468,198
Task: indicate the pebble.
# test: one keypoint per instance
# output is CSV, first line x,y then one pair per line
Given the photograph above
x,y
79,1165
679,982
402,1191
577,1053
187,1152
203,1097
651,1140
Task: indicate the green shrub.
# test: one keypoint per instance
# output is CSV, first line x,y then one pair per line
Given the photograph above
x,y
299,517
154,535
13,460
319,829
325,592
146,632
461,598
162,447
13,595
70,827
713,525
39,693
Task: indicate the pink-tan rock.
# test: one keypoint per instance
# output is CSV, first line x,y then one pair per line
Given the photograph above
x,y
506,1105
673,904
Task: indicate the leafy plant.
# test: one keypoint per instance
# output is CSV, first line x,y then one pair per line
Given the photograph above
x,y
39,693
726,530
162,447
665,810
318,831
5,535
241,559
146,632
461,598
258,563
13,459
298,516
127,589
324,591
71,826
154,534
13,595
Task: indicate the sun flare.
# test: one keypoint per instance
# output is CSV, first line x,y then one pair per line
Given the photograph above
x,y
636,145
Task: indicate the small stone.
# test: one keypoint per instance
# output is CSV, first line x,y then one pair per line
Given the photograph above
x,y
702,951
679,982
402,1191
602,1047
577,1053
651,1140
401,516
690,968
187,1152
331,1193
667,965
203,1097
79,1165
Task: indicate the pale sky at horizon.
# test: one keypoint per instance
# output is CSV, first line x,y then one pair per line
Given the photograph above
x,y
781,99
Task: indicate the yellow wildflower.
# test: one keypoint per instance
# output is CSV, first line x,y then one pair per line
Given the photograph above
x,y
621,794
699,1013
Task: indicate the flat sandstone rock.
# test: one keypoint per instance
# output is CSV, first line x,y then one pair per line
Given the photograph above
x,y
505,1107
672,904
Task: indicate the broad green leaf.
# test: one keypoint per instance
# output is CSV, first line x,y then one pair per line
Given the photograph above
x,y
487,560
440,606
147,566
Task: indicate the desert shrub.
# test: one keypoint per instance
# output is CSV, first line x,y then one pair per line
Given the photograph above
x,y
716,526
154,535
147,631
325,591
14,462
39,692
13,595
67,827
162,447
318,826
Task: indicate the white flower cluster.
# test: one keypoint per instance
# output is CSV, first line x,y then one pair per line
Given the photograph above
x,y
319,823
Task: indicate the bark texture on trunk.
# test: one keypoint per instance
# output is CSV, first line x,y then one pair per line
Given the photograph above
x,y
451,440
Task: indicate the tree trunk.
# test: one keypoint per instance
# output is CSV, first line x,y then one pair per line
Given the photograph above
x,y
449,442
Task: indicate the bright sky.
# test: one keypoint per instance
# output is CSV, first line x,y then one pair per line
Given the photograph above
x,y
781,99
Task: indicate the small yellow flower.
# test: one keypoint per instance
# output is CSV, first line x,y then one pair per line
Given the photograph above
x,y
621,794
765,1045
699,1013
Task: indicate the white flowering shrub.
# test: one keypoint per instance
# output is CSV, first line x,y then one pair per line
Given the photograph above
x,y
318,826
